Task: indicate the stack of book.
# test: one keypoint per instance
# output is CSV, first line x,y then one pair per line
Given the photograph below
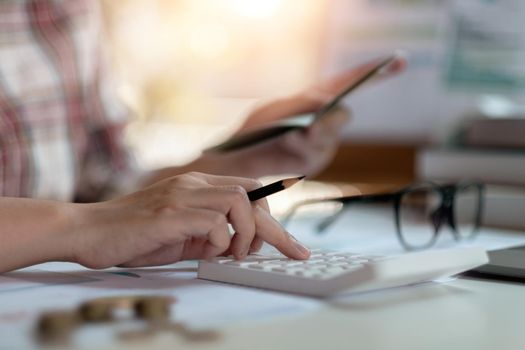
x,y
491,151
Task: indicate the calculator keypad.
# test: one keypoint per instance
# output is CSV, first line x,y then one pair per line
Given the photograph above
x,y
322,263
329,273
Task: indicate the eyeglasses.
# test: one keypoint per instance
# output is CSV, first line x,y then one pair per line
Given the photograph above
x,y
420,211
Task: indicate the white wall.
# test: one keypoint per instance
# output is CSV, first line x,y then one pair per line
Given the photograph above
x,y
418,105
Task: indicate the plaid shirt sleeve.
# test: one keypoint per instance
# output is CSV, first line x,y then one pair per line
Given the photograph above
x,y
61,125
108,168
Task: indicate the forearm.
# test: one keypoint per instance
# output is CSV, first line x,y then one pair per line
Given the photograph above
x,y
34,231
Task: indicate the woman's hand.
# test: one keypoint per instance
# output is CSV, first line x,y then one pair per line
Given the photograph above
x,y
183,217
304,152
317,95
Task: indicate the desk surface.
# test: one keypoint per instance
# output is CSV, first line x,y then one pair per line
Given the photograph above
x,y
461,314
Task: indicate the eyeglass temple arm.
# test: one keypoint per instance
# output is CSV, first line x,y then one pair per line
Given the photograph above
x,y
367,198
362,199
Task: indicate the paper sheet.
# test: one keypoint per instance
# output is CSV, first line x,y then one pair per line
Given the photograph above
x,y
372,230
200,304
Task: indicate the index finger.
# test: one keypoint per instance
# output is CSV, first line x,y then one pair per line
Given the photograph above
x,y
246,183
270,231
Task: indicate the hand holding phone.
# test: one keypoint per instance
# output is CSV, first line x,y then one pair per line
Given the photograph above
x,y
257,135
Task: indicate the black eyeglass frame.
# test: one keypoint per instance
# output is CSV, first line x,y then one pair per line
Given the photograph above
x,y
443,214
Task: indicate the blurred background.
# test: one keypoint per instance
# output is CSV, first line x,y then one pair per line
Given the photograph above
x,y
195,66
191,70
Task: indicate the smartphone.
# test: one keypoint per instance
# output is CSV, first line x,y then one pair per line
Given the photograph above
x,y
260,134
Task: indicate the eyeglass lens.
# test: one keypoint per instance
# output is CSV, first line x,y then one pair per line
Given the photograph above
x,y
422,214
466,210
418,223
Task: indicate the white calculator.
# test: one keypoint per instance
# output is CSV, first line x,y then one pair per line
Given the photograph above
x,y
328,273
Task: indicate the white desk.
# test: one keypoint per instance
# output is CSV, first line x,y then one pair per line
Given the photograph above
x,y
462,314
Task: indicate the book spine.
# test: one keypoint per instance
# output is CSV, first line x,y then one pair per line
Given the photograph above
x,y
504,210
490,167
496,133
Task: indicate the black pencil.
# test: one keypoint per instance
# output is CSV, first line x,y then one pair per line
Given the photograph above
x,y
273,188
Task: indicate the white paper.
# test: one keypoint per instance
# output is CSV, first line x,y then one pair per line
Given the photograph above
x,y
364,229
200,304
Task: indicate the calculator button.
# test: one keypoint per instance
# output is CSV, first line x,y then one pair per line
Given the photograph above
x,y
239,263
279,269
350,267
222,260
256,266
349,255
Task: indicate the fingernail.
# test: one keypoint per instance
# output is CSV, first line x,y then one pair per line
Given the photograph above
x,y
300,247
305,252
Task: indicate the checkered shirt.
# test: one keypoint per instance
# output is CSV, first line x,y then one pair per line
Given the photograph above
x,y
60,123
